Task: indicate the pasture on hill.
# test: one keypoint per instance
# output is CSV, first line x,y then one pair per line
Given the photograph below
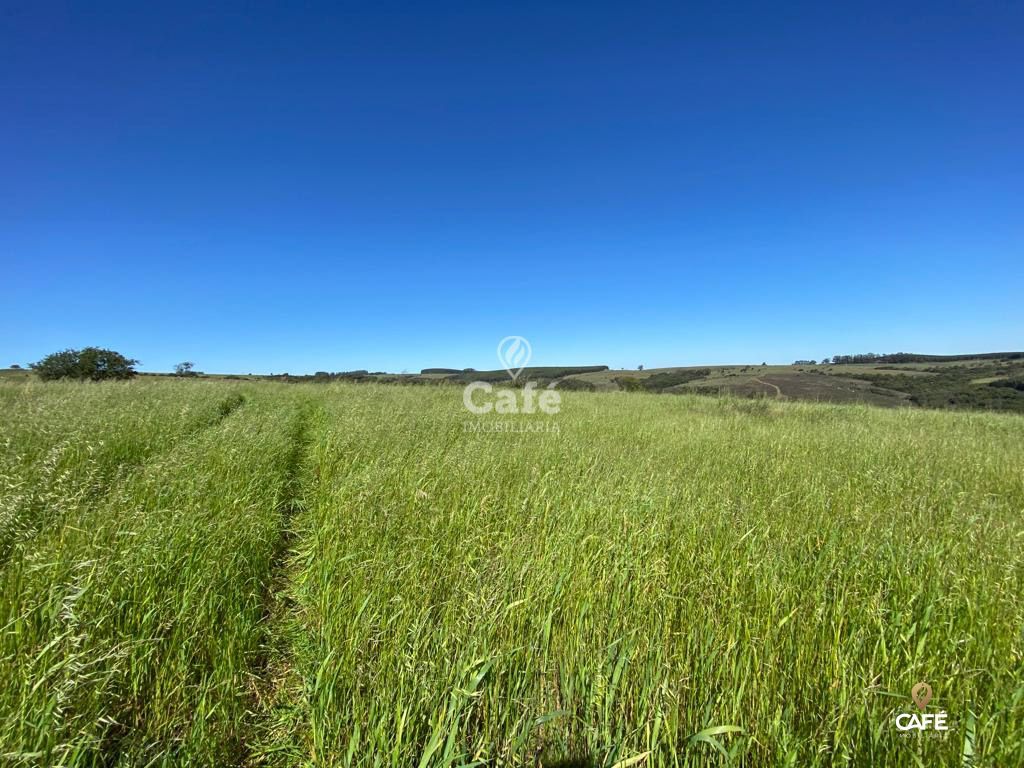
x,y
242,573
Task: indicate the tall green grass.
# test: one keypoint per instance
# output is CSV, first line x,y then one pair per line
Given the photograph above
x,y
130,634
677,581
62,445
347,575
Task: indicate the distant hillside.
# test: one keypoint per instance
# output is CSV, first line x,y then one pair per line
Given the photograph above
x,y
989,381
541,374
912,357
986,381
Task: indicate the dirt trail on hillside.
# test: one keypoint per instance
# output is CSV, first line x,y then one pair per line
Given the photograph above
x,y
778,392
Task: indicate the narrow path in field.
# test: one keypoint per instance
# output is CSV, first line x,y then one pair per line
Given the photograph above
x,y
778,392
272,670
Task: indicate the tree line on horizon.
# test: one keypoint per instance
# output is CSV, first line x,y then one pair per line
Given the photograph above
x,y
98,364
908,357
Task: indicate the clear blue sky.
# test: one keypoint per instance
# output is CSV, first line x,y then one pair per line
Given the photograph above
x,y
398,185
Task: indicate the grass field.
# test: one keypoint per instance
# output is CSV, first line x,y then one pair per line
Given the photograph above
x,y
223,573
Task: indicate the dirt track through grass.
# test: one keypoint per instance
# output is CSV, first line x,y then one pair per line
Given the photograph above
x,y
273,664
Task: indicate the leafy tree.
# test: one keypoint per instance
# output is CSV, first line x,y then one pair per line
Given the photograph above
x,y
16,367
184,369
89,363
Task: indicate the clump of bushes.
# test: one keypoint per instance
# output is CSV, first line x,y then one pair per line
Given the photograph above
x,y
954,387
576,385
230,403
89,364
659,382
1012,383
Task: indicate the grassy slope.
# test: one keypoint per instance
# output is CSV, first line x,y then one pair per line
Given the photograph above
x,y
656,567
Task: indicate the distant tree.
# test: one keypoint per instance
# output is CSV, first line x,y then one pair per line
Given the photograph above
x,y
764,363
89,363
184,369
639,367
16,367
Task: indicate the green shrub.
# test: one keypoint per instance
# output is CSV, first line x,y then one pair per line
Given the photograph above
x,y
92,363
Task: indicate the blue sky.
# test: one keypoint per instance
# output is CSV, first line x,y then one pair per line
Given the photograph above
x,y
389,186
